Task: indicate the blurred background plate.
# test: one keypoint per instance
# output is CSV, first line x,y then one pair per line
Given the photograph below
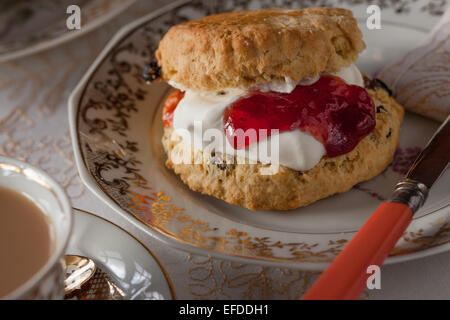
x,y
27,27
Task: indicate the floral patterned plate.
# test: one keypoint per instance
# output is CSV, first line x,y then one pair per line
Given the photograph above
x,y
116,132
27,27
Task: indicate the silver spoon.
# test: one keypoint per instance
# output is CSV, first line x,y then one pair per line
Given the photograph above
x,y
79,270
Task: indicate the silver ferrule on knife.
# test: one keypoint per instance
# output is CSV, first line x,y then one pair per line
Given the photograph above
x,y
410,192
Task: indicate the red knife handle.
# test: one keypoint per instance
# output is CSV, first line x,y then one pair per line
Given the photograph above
x,y
346,277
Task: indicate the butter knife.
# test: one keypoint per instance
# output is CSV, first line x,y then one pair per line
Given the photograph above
x,y
346,277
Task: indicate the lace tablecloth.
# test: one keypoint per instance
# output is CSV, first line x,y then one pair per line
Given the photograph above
x,y
34,128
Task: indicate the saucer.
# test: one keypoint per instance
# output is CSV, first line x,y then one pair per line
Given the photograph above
x,y
129,270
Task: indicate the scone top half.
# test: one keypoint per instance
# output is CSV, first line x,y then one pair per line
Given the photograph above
x,y
247,48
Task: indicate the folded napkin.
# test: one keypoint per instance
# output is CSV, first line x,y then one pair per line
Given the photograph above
x,y
420,80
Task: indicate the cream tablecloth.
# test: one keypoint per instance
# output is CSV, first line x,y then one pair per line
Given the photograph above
x,y
34,128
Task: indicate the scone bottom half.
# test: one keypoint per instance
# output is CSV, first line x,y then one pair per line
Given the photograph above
x,y
243,185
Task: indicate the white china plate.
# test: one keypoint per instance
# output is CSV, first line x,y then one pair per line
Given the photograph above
x,y
116,133
28,27
126,261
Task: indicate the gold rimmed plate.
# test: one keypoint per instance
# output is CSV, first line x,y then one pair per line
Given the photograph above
x,y
116,132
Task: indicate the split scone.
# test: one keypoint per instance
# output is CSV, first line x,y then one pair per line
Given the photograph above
x,y
270,112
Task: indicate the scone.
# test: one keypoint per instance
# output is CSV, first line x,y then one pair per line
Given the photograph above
x,y
270,112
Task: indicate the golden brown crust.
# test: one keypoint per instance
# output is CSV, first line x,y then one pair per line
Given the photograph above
x,y
244,48
243,185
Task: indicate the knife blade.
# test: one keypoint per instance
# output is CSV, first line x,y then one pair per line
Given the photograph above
x,y
434,158
426,169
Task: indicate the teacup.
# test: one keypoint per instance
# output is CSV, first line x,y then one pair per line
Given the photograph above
x,y
48,281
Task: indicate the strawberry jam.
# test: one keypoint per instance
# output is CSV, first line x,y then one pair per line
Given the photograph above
x,y
169,107
336,114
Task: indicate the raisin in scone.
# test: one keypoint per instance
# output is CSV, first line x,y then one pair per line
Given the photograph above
x,y
287,75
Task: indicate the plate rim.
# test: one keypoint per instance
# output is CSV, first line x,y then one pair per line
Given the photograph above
x,y
158,262
65,37
92,185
